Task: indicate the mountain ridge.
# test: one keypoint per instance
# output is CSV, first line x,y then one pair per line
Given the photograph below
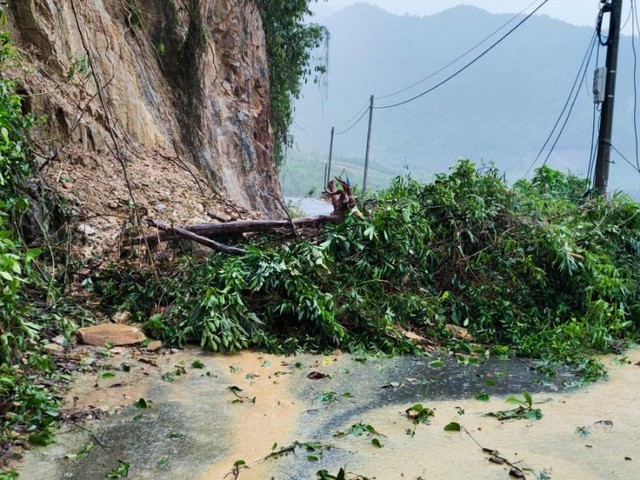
x,y
501,109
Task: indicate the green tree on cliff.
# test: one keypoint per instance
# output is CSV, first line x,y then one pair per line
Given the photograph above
x,y
290,44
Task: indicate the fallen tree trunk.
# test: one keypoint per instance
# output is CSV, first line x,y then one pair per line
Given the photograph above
x,y
212,230
207,242
342,200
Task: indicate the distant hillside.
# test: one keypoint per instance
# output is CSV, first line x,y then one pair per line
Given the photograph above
x,y
501,109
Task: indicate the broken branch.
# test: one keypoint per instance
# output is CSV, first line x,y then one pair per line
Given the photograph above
x,y
207,242
208,230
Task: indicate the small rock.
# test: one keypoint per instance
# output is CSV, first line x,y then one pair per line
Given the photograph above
x,y
76,356
53,349
86,229
121,317
458,332
160,207
154,346
60,340
113,333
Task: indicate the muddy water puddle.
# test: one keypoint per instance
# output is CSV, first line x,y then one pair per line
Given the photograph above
x,y
286,418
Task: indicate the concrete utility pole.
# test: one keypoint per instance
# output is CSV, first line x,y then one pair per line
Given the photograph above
x,y
366,158
328,173
614,7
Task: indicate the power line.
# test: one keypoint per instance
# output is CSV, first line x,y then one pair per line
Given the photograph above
x,y
354,124
634,27
342,125
465,67
569,103
566,120
623,157
595,126
626,22
475,47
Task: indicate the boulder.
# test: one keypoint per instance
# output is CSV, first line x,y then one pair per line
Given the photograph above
x,y
112,333
154,346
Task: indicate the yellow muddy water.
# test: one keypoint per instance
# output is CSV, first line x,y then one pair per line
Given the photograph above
x,y
587,433
258,426
573,440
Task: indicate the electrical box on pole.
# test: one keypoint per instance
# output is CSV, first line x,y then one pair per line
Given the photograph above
x,y
599,82
603,159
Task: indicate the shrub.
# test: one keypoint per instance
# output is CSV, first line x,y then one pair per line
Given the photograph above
x,y
536,266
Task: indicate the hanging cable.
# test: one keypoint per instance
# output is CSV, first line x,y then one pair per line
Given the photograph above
x,y
455,60
354,124
623,157
634,30
605,8
465,67
342,125
626,22
595,126
569,103
566,120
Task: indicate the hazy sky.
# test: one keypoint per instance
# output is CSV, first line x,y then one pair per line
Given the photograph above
x,y
580,12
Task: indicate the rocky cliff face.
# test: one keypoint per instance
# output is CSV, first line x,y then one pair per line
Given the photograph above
x,y
178,84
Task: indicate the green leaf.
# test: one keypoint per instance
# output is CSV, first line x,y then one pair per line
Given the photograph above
x,y
436,364
376,443
32,253
482,397
452,427
197,364
43,438
121,471
143,404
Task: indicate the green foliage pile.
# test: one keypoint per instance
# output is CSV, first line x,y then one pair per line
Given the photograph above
x,y
539,268
290,45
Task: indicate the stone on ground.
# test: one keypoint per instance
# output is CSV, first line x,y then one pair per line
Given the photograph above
x,y
111,333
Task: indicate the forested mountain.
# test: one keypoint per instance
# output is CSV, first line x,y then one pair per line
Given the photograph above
x,y
501,109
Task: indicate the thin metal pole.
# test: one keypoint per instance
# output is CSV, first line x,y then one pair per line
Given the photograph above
x,y
328,176
606,127
366,158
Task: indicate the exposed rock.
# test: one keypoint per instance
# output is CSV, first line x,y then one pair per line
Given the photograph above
x,y
154,346
111,333
53,349
458,332
186,94
86,229
122,316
